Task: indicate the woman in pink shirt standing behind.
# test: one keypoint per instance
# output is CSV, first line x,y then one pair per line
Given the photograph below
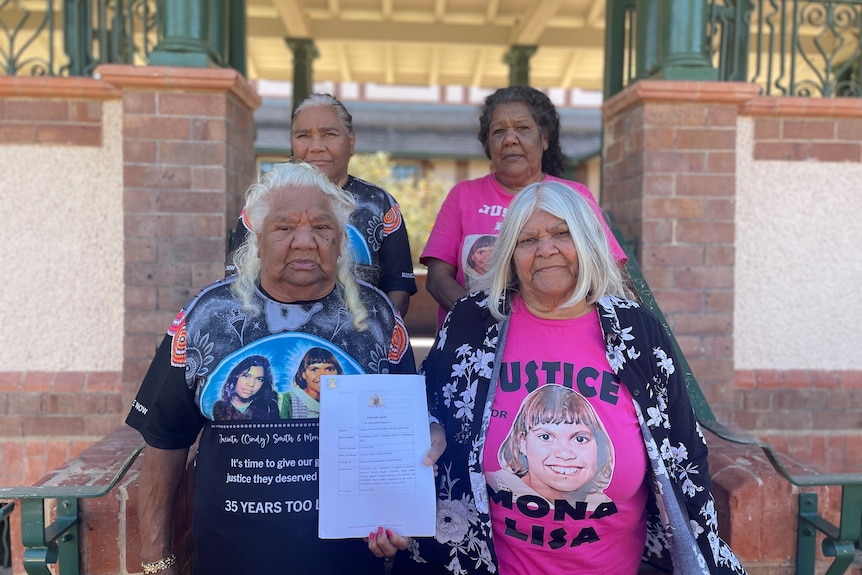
x,y
520,131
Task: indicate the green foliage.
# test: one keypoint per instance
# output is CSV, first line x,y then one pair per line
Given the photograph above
x,y
419,199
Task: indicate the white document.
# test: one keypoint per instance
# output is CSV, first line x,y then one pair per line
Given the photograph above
x,y
374,435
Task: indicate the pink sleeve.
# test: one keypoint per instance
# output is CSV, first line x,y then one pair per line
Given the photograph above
x,y
616,250
446,235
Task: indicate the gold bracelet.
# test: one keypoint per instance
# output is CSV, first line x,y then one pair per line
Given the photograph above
x,y
160,565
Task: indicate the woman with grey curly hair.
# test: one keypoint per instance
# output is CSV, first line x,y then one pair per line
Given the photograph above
x,y
519,129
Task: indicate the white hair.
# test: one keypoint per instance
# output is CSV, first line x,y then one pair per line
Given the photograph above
x,y
257,206
598,272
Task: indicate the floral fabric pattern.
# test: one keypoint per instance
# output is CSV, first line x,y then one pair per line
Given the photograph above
x,y
682,525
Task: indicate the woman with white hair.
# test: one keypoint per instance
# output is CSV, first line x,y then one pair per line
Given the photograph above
x,y
255,479
554,312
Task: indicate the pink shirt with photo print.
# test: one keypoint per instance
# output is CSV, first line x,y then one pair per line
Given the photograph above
x,y
580,500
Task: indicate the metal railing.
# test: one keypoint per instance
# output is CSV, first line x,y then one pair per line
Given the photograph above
x,y
57,543
6,509
789,47
72,42
841,541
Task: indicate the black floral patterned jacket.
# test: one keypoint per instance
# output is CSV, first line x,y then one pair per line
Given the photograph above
x,y
682,527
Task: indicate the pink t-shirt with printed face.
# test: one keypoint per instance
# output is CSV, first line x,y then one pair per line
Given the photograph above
x,y
564,458
470,220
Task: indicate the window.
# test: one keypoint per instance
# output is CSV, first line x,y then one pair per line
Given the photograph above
x,y
404,171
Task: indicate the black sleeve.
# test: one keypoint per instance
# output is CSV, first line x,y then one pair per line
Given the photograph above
x,y
407,365
433,368
396,263
164,410
463,325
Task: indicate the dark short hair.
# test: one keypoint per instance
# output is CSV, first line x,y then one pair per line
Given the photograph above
x,y
482,242
312,356
544,113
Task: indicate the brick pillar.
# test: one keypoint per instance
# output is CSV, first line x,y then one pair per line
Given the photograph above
x,y
188,157
669,179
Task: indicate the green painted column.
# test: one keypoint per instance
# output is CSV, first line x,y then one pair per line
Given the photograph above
x,y
77,37
682,41
646,37
616,35
219,36
237,36
304,53
518,60
185,28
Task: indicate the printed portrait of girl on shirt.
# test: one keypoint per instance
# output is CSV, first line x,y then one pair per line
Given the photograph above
x,y
478,257
248,392
303,399
557,448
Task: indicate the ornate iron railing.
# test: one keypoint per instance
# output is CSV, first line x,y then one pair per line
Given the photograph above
x,y
72,42
789,47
